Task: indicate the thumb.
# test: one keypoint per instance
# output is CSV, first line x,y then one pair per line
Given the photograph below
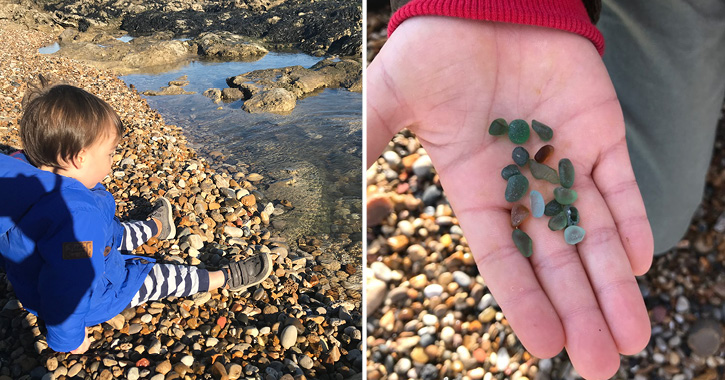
x,y
386,111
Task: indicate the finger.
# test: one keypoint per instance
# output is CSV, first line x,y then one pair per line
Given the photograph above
x,y
560,271
610,273
507,273
615,180
385,107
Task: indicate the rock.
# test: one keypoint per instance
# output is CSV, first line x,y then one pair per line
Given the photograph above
x,y
288,338
423,167
378,208
705,337
375,294
231,94
276,100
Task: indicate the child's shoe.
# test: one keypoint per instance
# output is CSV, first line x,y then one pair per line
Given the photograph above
x,y
162,213
250,272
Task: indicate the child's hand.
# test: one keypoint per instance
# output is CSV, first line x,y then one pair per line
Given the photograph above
x,y
446,79
84,346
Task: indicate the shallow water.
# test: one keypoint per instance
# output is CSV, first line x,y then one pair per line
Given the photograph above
x,y
311,157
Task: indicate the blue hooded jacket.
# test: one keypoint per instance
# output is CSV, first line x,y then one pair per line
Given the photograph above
x,y
59,246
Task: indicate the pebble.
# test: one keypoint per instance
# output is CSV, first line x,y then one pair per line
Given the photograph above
x,y
288,338
520,156
498,127
542,171
518,131
574,234
544,131
423,167
537,204
523,242
516,187
566,173
705,337
433,290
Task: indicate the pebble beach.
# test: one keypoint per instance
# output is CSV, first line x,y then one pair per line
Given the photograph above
x,y
303,322
430,314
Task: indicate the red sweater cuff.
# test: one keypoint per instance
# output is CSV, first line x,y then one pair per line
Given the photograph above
x,y
568,15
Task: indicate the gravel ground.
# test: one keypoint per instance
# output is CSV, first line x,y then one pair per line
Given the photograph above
x,y
431,316
303,322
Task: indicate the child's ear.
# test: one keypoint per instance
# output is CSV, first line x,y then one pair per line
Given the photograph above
x,y
79,159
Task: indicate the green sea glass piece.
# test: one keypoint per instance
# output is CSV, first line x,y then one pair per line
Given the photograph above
x,y
516,187
543,130
523,242
541,171
565,196
574,234
558,221
510,170
566,173
519,131
552,208
498,127
520,156
572,216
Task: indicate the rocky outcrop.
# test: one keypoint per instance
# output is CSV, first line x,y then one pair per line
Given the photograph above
x,y
228,46
259,88
175,87
319,27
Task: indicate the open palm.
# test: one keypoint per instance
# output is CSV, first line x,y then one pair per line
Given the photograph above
x,y
446,79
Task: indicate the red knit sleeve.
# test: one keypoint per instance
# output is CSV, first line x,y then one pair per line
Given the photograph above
x,y
568,15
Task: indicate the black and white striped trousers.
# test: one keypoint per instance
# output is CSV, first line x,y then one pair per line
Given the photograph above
x,y
171,280
164,279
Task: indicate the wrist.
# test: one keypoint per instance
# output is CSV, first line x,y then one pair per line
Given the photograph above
x,y
567,15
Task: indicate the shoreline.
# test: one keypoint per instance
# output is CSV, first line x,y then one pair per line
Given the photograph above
x,y
154,159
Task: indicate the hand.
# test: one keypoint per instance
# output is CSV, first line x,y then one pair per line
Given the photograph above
x,y
84,346
446,79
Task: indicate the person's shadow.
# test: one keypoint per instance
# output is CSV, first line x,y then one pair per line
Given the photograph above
x,y
23,229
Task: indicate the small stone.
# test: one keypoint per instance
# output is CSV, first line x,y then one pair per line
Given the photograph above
x,y
545,133
498,127
516,187
558,221
537,204
288,338
519,131
705,337
523,242
573,234
552,208
509,171
572,216
520,156
519,213
544,153
565,196
541,171
566,173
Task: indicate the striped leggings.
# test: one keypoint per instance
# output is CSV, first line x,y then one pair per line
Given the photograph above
x,y
164,279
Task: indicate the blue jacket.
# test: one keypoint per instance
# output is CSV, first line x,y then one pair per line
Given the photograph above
x,y
59,246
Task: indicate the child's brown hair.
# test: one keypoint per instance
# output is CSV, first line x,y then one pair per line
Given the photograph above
x,y
61,120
